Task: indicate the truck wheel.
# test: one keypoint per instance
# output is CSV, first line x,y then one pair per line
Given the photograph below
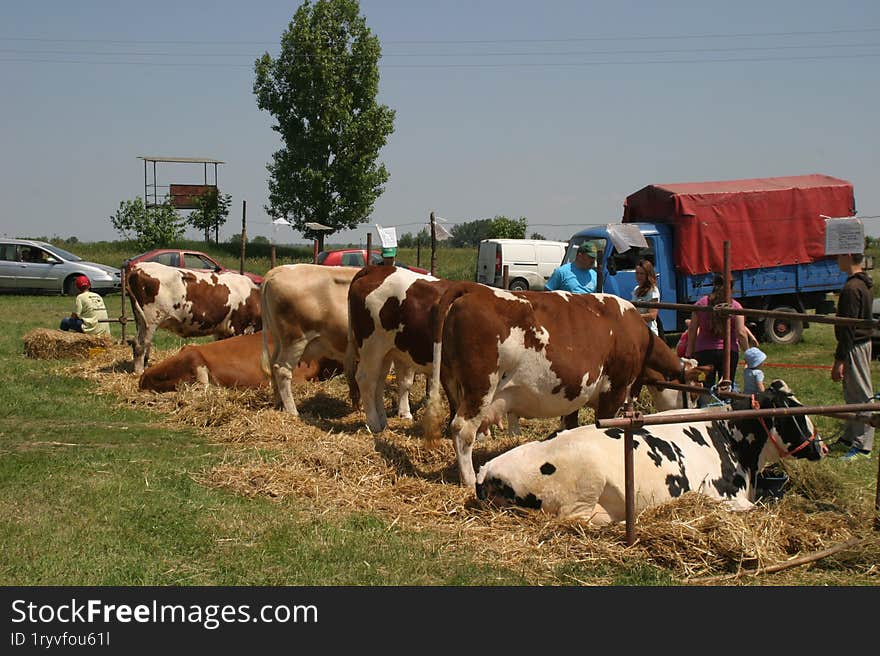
x,y
783,331
518,285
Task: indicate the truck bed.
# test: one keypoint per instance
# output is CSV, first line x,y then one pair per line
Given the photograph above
x,y
820,276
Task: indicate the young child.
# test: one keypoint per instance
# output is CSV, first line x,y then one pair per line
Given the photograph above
x,y
681,347
753,376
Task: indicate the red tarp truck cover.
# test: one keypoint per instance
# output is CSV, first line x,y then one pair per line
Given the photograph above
x,y
769,221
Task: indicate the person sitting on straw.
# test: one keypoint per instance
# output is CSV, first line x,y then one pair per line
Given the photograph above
x,y
89,310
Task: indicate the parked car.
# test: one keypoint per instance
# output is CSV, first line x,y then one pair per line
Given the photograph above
x,y
357,257
186,259
30,266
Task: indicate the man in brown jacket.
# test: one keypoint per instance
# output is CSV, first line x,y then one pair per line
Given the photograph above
x,y
852,359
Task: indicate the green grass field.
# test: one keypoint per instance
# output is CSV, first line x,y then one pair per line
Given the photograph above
x,y
94,491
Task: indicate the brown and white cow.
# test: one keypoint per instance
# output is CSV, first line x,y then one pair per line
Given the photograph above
x,y
189,304
390,323
664,398
536,354
232,362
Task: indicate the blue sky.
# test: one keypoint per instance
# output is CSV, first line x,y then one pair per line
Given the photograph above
x,y
550,110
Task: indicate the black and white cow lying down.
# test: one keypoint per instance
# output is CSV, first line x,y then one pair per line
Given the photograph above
x,y
578,474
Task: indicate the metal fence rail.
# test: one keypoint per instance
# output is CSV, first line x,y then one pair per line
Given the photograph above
x,y
632,419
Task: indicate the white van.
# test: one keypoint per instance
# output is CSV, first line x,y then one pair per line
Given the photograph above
x,y
530,262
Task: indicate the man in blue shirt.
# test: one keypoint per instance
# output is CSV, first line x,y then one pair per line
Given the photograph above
x,y
577,277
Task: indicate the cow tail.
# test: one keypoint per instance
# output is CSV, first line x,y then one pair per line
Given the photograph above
x,y
266,318
433,411
350,365
137,310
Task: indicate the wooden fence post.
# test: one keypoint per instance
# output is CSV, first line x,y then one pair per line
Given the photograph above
x,y
433,246
243,233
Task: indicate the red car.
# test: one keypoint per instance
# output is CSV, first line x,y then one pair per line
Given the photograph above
x,y
356,257
186,259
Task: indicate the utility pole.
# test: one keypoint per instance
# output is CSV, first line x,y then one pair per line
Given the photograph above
x,y
433,245
243,233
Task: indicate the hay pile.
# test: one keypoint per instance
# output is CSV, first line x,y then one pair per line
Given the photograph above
x,y
328,463
48,344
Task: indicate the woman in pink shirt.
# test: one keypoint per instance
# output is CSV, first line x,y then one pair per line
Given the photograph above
x,y
705,336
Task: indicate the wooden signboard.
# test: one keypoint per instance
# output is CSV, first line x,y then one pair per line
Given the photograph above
x,y
185,197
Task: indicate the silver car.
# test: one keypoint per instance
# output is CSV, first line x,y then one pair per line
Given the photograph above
x,y
30,266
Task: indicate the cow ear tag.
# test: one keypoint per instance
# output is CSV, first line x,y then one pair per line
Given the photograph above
x,y
702,376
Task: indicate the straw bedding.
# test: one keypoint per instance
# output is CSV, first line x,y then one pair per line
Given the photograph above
x,y
327,462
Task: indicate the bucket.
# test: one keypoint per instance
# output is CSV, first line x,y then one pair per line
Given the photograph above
x,y
771,486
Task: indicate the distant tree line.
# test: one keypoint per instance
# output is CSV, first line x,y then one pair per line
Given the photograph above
x,y
469,234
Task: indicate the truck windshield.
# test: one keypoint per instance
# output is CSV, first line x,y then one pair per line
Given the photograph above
x,y
575,243
628,260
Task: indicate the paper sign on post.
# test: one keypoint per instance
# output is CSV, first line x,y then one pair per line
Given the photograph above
x,y
388,236
844,235
440,231
626,235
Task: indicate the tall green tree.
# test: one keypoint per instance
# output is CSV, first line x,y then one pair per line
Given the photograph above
x,y
505,228
321,90
150,227
211,213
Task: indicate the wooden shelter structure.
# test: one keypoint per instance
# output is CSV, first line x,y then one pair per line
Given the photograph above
x,y
181,196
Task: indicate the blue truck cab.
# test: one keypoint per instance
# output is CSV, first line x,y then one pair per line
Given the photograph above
x,y
790,288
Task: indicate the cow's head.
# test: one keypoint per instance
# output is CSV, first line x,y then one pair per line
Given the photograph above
x,y
516,477
792,436
668,399
691,372
166,375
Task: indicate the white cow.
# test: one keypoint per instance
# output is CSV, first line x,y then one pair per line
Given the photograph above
x,y
579,473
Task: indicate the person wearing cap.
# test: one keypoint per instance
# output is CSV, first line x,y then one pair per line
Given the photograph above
x,y
577,276
388,255
88,310
852,357
753,375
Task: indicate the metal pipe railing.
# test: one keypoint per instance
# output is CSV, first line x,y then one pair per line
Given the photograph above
x,y
754,312
868,418
633,420
637,420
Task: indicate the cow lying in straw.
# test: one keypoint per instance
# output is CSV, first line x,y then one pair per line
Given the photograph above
x,y
232,362
579,473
